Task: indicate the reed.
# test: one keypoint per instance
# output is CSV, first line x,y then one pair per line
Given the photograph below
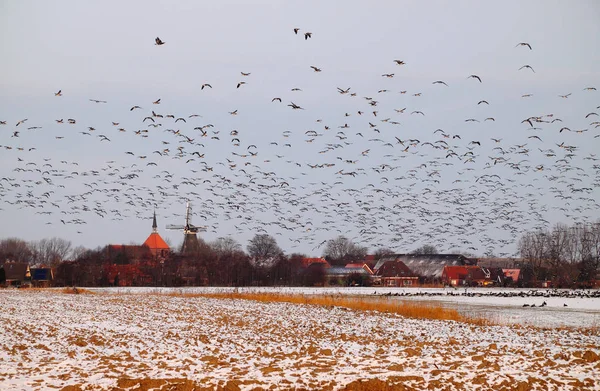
x,y
410,309
76,291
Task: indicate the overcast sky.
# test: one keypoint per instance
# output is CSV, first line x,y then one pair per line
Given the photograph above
x,y
474,185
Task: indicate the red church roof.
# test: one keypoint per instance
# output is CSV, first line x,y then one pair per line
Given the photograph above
x,y
155,242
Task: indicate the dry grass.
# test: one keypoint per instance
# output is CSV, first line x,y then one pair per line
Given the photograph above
x,y
76,291
410,309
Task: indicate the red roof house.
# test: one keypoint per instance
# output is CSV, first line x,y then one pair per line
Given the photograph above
x,y
466,275
395,273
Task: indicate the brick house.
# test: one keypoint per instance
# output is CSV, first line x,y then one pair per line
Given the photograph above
x,y
394,273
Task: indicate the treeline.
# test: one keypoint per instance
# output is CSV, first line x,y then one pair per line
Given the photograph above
x,y
49,252
568,256
206,267
222,262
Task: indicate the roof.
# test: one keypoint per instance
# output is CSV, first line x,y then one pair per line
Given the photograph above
x,y
155,242
395,268
426,265
132,251
16,270
355,264
342,270
361,265
465,272
306,262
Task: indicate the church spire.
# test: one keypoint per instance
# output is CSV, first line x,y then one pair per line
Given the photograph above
x,y
154,225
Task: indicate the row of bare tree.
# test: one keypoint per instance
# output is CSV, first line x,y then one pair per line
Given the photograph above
x,y
568,256
49,252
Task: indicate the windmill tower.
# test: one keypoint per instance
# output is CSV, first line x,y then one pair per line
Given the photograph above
x,y
190,240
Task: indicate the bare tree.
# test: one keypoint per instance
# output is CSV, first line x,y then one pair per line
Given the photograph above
x,y
78,252
566,255
532,249
426,249
225,245
263,249
382,252
50,252
15,250
342,250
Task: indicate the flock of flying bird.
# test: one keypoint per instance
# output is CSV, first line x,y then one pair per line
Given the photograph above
x,y
368,173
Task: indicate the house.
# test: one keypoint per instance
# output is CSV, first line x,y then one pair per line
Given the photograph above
x,y
42,277
466,275
395,273
16,274
428,267
360,266
370,259
351,274
306,262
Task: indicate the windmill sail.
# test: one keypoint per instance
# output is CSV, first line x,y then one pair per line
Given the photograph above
x,y
191,244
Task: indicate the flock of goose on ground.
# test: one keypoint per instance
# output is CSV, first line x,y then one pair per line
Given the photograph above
x,y
367,172
466,292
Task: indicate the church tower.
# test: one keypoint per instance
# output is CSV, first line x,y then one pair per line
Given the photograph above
x,y
156,244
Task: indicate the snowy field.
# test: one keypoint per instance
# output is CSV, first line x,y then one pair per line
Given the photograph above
x,y
139,339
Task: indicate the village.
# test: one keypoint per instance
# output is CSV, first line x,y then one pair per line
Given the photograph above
x,y
196,263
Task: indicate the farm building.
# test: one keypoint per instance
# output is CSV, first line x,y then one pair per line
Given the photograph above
x,y
428,267
16,274
395,273
467,275
351,274
42,277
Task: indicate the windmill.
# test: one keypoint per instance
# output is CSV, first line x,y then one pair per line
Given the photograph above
x,y
190,240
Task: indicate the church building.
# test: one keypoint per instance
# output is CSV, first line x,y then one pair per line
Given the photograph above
x,y
156,244
152,249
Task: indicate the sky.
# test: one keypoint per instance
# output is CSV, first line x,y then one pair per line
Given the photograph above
x,y
398,161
